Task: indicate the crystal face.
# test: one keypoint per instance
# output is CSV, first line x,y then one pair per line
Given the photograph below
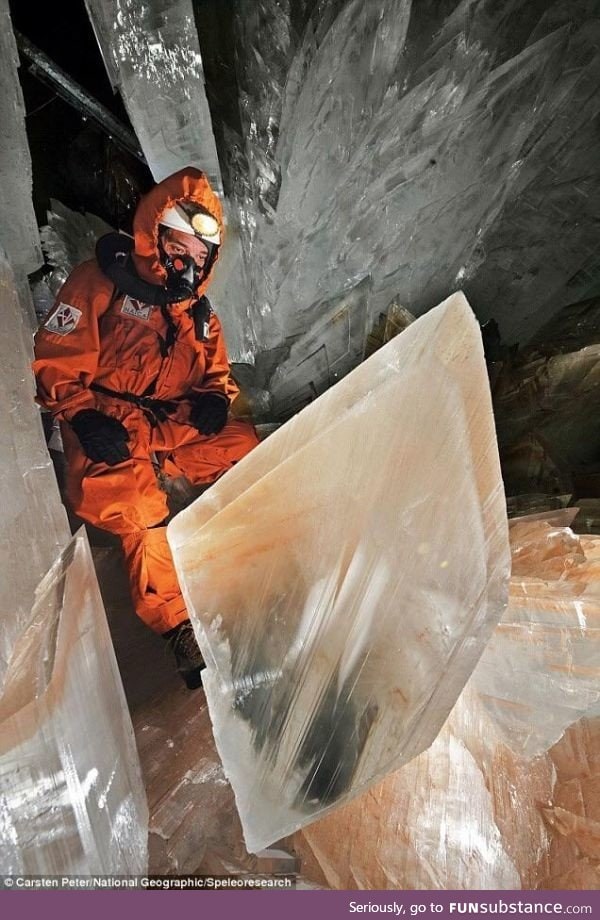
x,y
71,793
152,54
335,596
530,818
18,230
34,525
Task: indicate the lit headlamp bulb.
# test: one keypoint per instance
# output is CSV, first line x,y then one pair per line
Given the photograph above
x,y
206,227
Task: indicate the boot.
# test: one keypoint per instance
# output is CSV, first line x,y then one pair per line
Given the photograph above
x,y
188,656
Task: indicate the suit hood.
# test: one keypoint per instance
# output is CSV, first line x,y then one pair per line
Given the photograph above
x,y
188,184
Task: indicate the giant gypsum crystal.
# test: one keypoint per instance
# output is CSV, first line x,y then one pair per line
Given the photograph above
x,y
71,793
33,527
151,52
18,231
344,578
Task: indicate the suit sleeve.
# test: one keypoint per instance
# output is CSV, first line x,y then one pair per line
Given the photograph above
x,y
67,344
217,375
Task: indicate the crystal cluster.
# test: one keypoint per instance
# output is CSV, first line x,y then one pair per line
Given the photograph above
x,y
425,146
338,601
540,671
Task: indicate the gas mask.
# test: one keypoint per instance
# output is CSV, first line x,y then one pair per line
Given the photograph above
x,y
183,276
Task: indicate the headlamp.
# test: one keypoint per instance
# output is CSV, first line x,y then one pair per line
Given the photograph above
x,y
190,218
205,225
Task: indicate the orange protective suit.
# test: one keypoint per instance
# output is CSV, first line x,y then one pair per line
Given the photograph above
x,y
96,335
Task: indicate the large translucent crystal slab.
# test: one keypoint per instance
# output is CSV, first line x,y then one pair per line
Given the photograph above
x,y
530,818
338,603
33,524
18,229
152,54
71,793
527,822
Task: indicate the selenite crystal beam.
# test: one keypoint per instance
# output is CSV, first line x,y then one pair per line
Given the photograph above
x,y
152,54
33,527
18,229
71,794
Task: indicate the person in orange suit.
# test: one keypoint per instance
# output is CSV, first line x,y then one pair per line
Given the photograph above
x,y
133,362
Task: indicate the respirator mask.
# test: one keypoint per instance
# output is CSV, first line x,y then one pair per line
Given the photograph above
x,y
183,276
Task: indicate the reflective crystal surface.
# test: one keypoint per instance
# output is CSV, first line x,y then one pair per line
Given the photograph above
x,y
337,601
502,799
18,229
152,55
71,793
229,293
33,525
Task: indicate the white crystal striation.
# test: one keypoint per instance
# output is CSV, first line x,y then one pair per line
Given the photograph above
x,y
428,146
344,578
70,237
71,791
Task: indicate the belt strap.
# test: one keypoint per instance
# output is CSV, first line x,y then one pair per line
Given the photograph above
x,y
161,408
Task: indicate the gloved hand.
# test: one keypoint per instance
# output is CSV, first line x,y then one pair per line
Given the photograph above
x,y
209,413
103,438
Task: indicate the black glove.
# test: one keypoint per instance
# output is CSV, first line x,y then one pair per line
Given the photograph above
x,y
209,413
103,438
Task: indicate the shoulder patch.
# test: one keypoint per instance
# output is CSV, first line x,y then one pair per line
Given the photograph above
x,y
136,308
64,319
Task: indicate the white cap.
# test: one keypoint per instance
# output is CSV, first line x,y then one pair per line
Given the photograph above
x,y
177,219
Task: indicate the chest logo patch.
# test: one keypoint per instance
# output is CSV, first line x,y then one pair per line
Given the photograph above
x,y
136,308
64,319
